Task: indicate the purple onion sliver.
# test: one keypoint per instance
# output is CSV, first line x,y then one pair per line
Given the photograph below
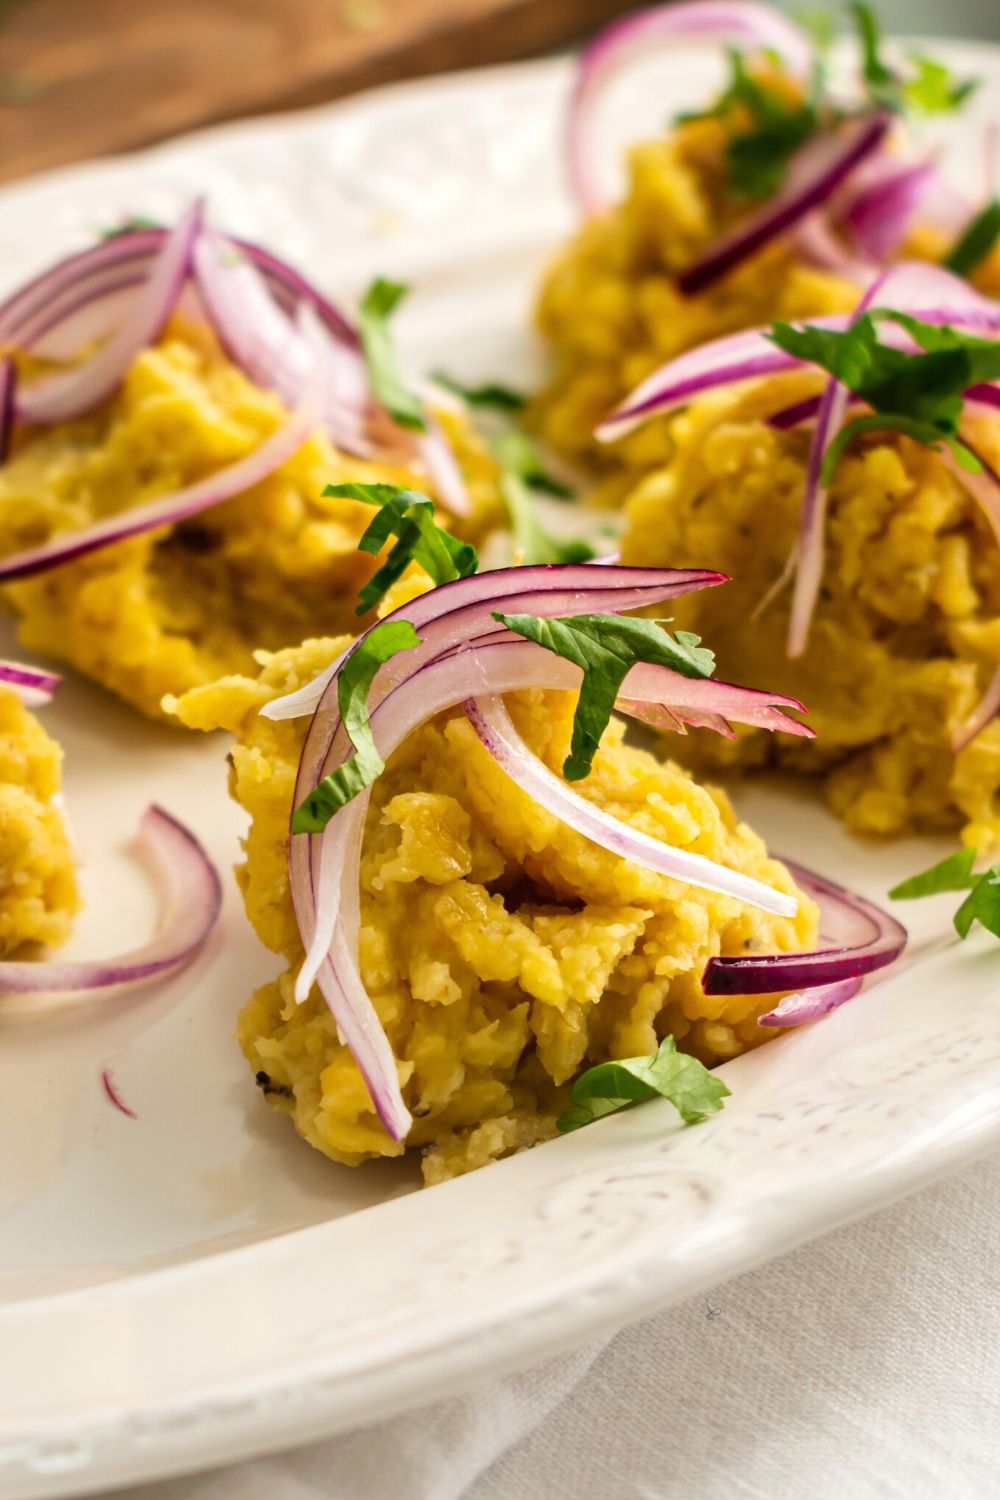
x,y
8,381
809,1005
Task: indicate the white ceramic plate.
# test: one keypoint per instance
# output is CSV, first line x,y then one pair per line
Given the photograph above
x,y
196,1285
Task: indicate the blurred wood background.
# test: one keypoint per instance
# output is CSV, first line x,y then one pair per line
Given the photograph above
x,y
81,78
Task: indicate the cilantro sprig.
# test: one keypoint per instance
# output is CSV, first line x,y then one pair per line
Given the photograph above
x,y
408,516
522,476
492,395
982,904
667,1074
929,89
921,394
377,306
976,241
605,648
366,765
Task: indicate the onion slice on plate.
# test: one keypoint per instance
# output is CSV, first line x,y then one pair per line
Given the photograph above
x,y
190,901
862,938
815,173
170,509
882,210
62,397
32,685
741,23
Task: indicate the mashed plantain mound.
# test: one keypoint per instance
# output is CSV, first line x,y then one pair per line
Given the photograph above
x,y
38,892
184,605
611,310
502,951
906,631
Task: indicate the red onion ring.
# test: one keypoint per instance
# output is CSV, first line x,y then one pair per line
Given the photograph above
x,y
809,1005
863,938
190,901
757,27
8,380
32,685
111,1089
65,396
883,209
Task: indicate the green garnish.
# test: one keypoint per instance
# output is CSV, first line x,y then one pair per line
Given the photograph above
x,y
757,158
408,516
354,682
521,473
668,1074
919,394
492,395
377,307
130,226
976,240
929,90
982,904
606,647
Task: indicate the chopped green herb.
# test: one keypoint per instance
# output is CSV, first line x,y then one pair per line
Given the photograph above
x,y
377,307
667,1074
757,158
492,395
982,904
408,516
515,451
354,682
920,394
929,90
976,241
606,647
819,24
130,226
522,472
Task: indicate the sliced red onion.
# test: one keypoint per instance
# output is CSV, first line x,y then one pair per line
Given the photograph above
x,y
32,685
63,397
489,718
861,935
544,589
111,1089
882,211
190,900
819,244
809,547
442,467
815,173
732,22
171,509
808,1005
8,380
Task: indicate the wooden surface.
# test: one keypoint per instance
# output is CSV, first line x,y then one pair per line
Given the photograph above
x,y
81,78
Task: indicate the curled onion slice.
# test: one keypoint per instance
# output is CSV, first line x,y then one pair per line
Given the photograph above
x,y
815,173
190,901
884,207
861,935
32,685
809,1005
170,509
65,396
741,23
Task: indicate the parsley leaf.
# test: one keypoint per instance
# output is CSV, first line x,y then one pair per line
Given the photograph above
x,y
354,682
493,395
982,904
516,452
521,472
919,394
130,226
377,306
409,516
930,90
606,647
668,1074
976,240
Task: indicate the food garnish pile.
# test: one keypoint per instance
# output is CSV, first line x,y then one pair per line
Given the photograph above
x,y
776,378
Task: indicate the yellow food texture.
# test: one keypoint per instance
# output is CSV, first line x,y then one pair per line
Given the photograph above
x,y
503,952
172,609
611,310
609,304
38,891
906,631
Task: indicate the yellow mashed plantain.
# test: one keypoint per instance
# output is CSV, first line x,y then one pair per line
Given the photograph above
x,y
38,892
610,307
502,951
171,609
906,632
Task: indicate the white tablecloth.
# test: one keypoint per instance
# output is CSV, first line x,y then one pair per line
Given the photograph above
x,y
864,1365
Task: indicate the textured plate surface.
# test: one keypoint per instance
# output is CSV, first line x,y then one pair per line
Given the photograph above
x,y
196,1285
